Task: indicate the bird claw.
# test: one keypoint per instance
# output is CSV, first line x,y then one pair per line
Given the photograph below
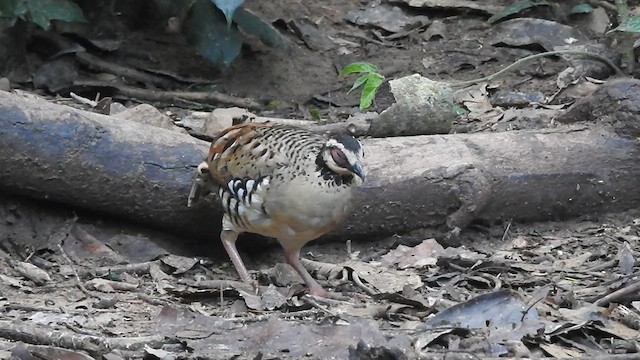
x,y
256,287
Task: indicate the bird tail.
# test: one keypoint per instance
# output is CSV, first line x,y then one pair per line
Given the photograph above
x,y
202,184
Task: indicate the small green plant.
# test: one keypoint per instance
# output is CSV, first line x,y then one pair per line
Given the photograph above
x,y
314,113
272,105
370,78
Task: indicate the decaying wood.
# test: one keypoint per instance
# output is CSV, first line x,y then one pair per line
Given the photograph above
x,y
142,173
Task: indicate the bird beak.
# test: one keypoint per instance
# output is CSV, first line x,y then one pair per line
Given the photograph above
x,y
359,170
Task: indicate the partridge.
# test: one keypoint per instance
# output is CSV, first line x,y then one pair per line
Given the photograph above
x,y
282,182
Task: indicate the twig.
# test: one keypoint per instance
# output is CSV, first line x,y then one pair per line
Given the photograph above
x,y
361,285
29,256
83,100
349,252
216,284
524,313
138,269
96,345
519,62
29,308
221,296
603,266
154,300
618,294
95,63
299,314
78,281
173,96
311,301
506,231
368,39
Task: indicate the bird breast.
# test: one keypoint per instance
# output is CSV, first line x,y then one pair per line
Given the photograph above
x,y
309,207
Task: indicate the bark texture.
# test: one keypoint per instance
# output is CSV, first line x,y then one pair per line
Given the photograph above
x,y
143,174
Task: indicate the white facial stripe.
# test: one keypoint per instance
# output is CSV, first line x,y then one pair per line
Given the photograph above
x,y
334,143
351,157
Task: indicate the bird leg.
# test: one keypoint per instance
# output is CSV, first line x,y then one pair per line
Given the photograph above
x,y
228,239
293,259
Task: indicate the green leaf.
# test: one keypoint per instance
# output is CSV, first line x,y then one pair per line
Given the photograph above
x,y
41,12
252,24
272,105
21,8
630,24
459,110
370,88
371,79
228,8
8,8
113,276
7,13
206,28
582,9
315,113
359,81
10,11
358,67
514,9
12,8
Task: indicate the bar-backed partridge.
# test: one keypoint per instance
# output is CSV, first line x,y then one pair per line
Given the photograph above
x,y
282,182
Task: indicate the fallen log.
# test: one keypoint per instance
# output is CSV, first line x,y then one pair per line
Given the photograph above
x,y
143,174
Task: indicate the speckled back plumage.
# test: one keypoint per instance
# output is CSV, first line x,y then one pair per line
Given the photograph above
x,y
272,181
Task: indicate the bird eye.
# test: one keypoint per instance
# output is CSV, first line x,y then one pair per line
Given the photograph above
x,y
340,158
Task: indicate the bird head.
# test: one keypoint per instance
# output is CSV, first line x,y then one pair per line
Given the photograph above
x,y
343,154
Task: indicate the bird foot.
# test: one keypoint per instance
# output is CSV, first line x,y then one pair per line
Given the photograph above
x,y
254,284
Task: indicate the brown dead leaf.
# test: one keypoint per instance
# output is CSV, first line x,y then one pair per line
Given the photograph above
x,y
476,100
424,254
181,264
31,272
385,280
